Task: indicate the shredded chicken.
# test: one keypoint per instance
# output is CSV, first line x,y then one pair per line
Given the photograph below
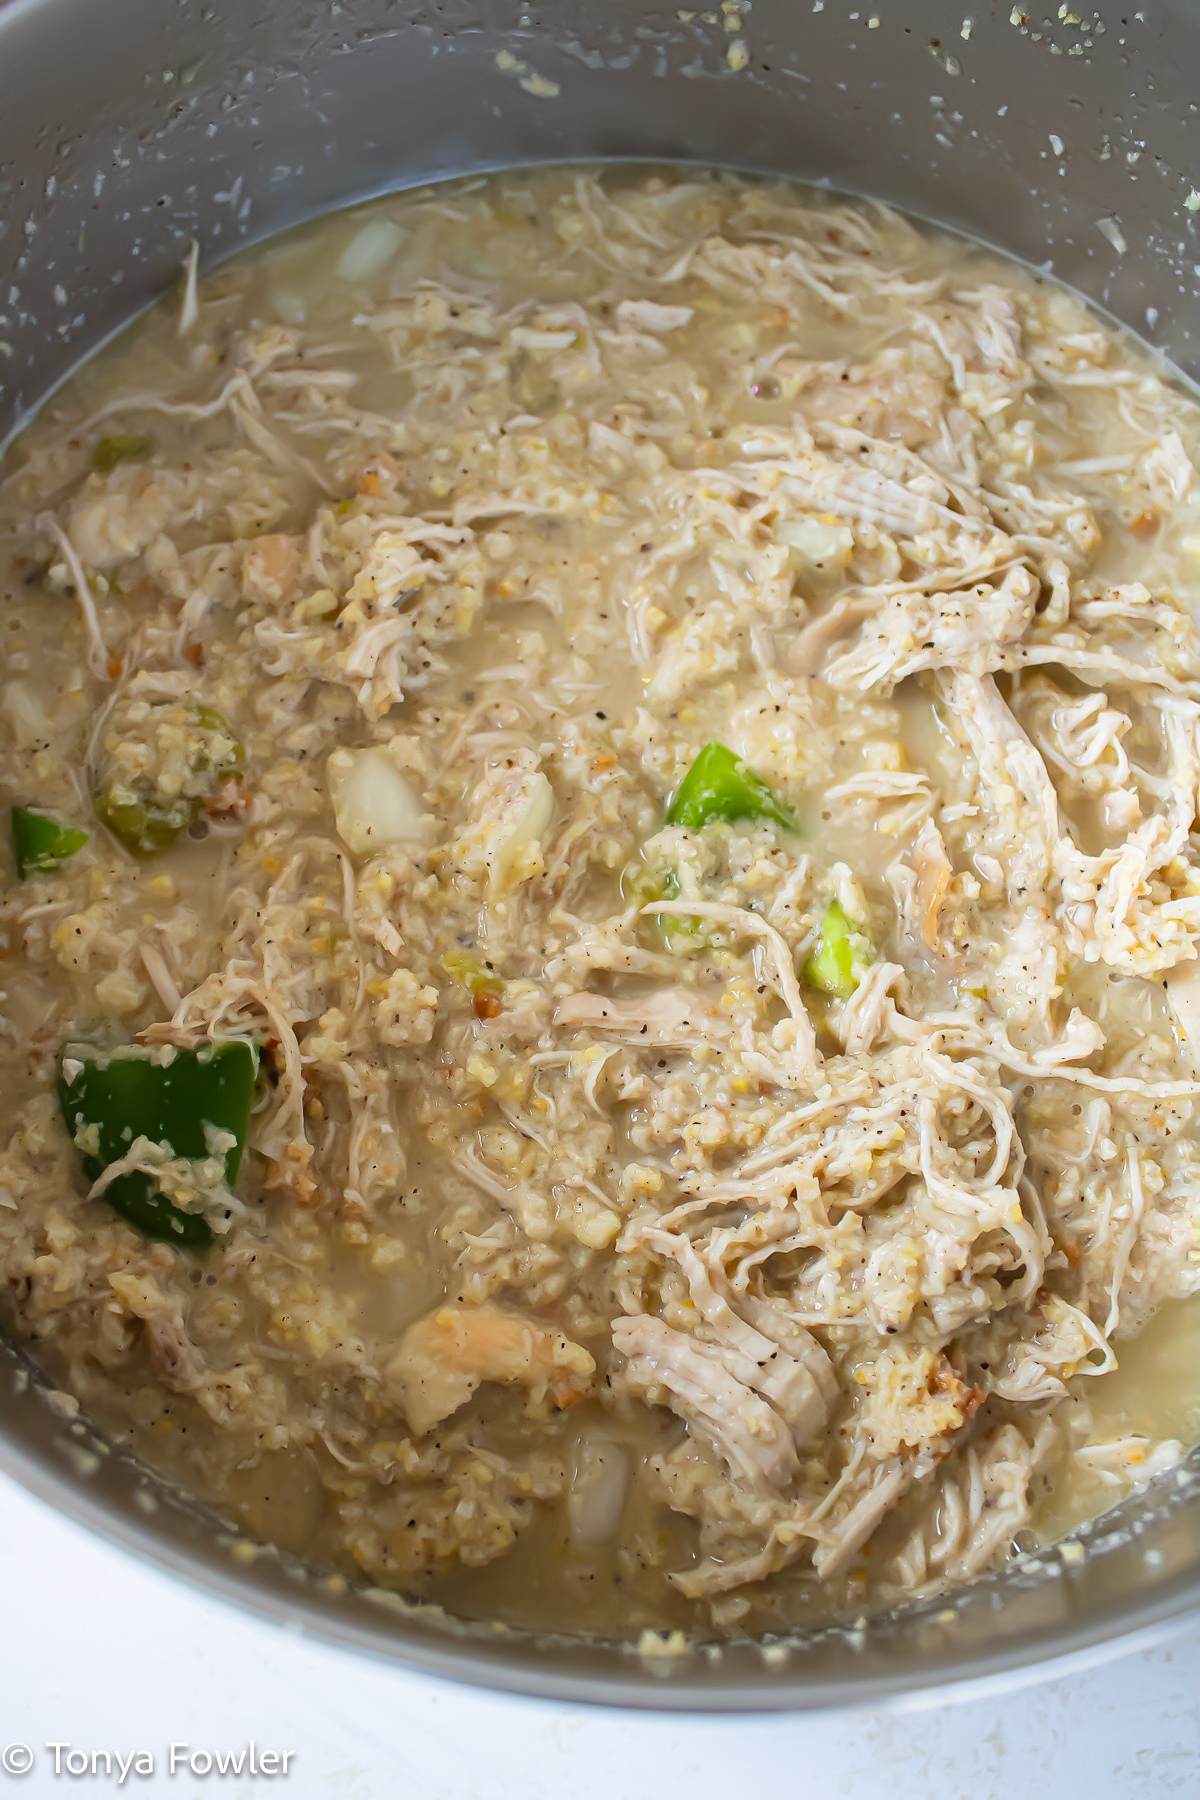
x,y
176,1360
668,711
748,1433
664,1016
797,1385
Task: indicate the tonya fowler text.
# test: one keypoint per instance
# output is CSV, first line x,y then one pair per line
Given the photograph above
x,y
178,1759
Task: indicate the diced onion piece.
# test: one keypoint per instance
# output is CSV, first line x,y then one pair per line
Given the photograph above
x,y
374,806
26,714
370,250
288,304
1183,992
528,337
596,1497
825,545
515,854
648,315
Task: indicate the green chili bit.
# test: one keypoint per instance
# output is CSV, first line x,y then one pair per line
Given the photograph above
x,y
144,823
125,446
109,1099
230,755
843,951
675,932
40,843
466,968
719,785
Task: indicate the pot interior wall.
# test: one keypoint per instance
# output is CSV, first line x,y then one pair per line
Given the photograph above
x,y
1069,144
128,129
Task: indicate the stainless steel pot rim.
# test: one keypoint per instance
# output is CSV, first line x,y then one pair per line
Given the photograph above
x,y
1004,1673
653,1683
114,158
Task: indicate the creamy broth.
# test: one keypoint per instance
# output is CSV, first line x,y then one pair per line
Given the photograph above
x,y
664,711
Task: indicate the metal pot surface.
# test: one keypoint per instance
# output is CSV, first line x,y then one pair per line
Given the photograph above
x,y
1071,141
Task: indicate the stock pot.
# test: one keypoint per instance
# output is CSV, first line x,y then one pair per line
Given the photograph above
x,y
132,127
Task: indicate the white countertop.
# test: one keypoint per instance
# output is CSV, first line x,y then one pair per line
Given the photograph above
x,y
100,1653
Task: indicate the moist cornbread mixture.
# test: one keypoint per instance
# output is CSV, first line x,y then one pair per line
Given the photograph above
x,y
599,971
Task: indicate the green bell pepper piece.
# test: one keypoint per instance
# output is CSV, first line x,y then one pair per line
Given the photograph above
x,y
145,824
40,843
124,446
113,1097
719,785
842,952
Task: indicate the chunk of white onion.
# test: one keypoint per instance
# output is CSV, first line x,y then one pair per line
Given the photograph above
x,y
288,304
520,831
370,250
596,1496
648,315
1183,992
24,711
374,806
825,545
